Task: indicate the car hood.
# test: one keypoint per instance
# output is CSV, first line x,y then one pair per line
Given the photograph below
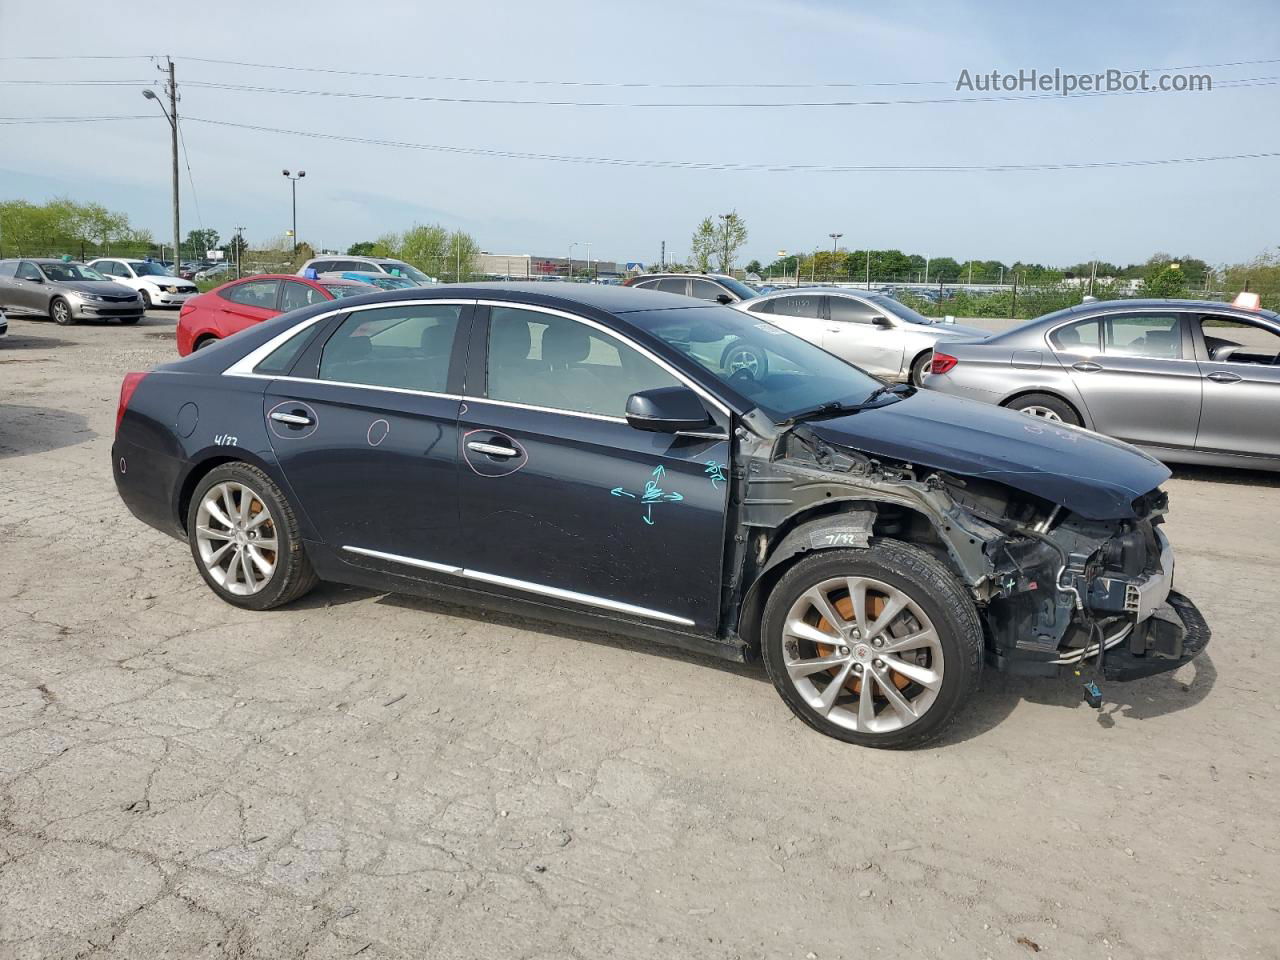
x,y
109,288
1089,474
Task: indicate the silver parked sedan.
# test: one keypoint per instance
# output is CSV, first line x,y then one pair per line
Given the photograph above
x,y
1189,381
870,330
64,291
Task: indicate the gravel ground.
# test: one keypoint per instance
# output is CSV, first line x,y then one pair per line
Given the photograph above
x,y
377,776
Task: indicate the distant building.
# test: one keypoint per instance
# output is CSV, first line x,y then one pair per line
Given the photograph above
x,y
524,266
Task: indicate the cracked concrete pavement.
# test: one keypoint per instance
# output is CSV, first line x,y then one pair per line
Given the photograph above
x,y
378,776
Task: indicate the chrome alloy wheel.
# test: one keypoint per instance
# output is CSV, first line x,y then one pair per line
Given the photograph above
x,y
862,654
1043,412
236,538
743,358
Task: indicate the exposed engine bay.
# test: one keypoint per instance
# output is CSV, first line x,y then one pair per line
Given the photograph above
x,y
1054,589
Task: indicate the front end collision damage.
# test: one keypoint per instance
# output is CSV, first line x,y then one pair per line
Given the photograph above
x,y
1049,584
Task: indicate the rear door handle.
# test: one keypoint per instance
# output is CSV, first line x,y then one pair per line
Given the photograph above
x,y
1086,366
1221,376
492,449
293,419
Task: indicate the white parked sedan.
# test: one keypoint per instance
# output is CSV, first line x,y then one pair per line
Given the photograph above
x,y
870,330
158,287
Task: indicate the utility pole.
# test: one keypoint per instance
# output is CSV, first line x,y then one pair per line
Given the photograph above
x,y
172,116
926,269
571,246
239,251
724,240
868,268
663,257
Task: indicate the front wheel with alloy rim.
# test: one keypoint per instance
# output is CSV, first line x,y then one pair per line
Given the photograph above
x,y
1046,407
919,367
879,646
60,312
245,539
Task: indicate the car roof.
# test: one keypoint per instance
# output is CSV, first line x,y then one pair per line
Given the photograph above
x,y
608,298
703,276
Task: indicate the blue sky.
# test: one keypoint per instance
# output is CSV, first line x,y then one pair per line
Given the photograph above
x,y
1221,211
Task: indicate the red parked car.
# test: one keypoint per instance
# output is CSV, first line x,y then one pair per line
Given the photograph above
x,y
242,303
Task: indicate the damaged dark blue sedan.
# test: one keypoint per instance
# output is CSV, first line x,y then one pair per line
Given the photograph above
x,y
579,453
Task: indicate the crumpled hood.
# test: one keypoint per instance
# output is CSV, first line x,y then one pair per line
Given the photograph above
x,y
1087,473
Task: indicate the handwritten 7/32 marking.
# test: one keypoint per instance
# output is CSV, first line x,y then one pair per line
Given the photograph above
x,y
652,494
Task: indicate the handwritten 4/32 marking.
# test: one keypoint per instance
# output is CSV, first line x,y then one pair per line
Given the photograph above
x,y
651,494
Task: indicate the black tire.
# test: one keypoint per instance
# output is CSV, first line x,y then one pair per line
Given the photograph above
x,y
60,312
931,586
919,367
146,298
293,575
129,321
204,342
740,355
1046,401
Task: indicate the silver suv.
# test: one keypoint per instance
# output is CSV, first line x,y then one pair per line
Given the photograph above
x,y
388,265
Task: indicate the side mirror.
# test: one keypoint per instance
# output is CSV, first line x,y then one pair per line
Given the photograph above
x,y
666,410
881,322
35,279
724,298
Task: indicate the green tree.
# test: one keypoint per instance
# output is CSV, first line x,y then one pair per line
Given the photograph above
x,y
702,246
731,235
1164,280
365,248
200,242
460,256
755,267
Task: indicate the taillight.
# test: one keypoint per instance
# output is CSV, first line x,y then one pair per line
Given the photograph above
x,y
127,386
942,362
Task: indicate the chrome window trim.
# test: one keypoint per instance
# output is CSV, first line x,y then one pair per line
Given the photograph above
x,y
541,589
617,335
244,366
1102,314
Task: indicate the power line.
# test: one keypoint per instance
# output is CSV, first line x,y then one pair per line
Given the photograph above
x,y
89,56
743,167
77,83
19,120
420,98
628,84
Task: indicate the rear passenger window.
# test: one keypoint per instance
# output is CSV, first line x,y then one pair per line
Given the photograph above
x,y
1154,335
851,311
801,306
407,347
1083,337
673,285
544,360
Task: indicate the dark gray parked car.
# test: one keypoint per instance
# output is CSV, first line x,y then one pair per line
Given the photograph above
x,y
1189,381
65,292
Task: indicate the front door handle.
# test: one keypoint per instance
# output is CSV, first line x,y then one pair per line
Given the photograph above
x,y
1221,376
1086,366
293,419
492,449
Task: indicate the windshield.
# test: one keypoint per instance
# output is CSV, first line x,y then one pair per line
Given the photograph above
x,y
395,268
387,282
70,271
780,373
738,287
144,268
899,309
347,290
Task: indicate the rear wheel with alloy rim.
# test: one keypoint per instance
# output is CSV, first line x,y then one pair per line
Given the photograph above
x,y
1046,407
745,361
880,647
919,367
245,540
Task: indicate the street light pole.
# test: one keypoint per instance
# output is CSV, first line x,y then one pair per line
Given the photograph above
x,y
834,237
571,246
293,183
172,116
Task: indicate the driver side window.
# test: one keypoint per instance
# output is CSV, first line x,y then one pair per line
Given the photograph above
x,y
545,360
1231,340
